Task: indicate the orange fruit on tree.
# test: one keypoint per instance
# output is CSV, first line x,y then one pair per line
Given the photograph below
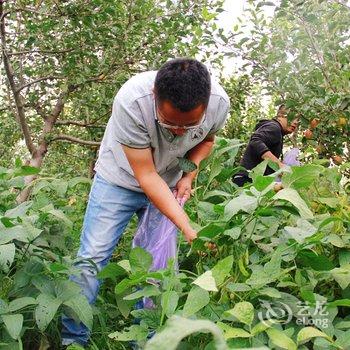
x,y
308,134
314,122
337,159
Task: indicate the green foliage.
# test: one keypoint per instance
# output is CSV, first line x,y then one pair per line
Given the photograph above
x,y
301,58
255,249
33,267
71,58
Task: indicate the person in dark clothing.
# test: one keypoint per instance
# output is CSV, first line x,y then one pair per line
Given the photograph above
x,y
266,143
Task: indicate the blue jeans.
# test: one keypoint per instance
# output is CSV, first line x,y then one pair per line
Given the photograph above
x,y
108,212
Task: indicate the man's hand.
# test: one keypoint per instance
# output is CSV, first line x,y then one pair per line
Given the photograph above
x,y
190,234
183,188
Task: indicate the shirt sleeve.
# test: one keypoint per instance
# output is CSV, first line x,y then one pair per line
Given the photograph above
x,y
221,116
129,126
265,137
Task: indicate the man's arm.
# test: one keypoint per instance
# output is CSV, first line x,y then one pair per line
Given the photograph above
x,y
196,155
157,190
262,138
270,156
200,152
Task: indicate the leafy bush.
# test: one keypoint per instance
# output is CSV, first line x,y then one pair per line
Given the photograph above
x,y
34,287
272,269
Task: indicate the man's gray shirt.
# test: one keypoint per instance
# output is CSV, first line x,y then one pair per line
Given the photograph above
x,y
133,123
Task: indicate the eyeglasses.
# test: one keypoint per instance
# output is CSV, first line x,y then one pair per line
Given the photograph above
x,y
173,127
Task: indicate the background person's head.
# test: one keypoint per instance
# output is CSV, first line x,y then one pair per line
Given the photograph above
x,y
288,126
182,91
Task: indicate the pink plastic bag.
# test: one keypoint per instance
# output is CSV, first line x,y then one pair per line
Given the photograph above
x,y
157,235
291,157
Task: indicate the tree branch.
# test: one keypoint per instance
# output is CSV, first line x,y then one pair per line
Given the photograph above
x,y
37,81
45,52
25,9
82,124
73,139
17,96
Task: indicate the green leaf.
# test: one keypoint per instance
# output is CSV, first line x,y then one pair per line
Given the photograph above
x,y
302,177
342,275
46,310
19,210
65,290
74,347
135,279
222,269
7,255
206,281
82,308
335,240
317,262
307,333
327,221
262,326
197,298
271,292
59,186
125,264
134,332
233,332
186,165
26,170
340,302
280,339
112,271
243,311
344,257
215,169
303,230
148,291
123,306
238,287
39,186
258,171
169,302
140,260
233,232
243,202
293,197
49,209
178,328
210,231
13,324
78,180
21,303
330,202
262,182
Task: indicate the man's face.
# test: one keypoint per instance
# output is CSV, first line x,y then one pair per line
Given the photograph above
x,y
167,114
282,117
288,128
292,126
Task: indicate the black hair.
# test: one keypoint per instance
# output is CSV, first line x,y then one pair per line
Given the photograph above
x,y
185,82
